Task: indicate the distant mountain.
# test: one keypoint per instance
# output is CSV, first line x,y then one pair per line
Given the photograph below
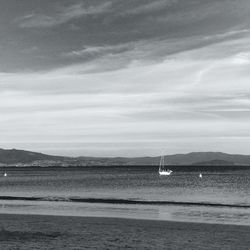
x,y
215,163
196,157
14,157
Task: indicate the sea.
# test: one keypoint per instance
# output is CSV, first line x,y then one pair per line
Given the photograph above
x,y
128,192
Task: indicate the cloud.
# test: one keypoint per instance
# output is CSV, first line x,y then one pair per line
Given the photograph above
x,y
139,31
98,50
143,107
65,15
90,59
127,77
241,58
150,7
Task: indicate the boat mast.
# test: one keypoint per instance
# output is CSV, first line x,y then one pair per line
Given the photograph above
x,y
160,163
161,167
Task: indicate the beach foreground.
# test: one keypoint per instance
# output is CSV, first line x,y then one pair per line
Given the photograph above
x,y
61,232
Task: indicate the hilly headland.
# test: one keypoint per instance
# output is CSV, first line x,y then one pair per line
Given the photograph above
x,y
22,158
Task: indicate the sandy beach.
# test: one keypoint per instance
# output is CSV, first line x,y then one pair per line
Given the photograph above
x,y
61,232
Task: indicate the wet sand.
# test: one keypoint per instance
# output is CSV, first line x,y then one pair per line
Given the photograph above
x,y
61,232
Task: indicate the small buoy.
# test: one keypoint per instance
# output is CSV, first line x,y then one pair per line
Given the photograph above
x,y
5,174
200,175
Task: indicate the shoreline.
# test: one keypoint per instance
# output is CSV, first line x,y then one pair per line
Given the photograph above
x,y
175,213
70,232
120,201
152,219
122,218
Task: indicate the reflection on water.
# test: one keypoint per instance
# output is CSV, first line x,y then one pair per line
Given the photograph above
x,y
232,188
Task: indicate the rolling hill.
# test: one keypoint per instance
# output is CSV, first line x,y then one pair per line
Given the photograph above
x,y
14,157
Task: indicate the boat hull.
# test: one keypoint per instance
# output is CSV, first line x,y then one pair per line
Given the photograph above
x,y
165,172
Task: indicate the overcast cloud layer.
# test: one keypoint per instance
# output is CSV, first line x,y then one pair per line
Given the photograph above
x,y
117,77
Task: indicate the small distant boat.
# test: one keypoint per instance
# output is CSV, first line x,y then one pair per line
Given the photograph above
x,y
5,174
162,170
200,175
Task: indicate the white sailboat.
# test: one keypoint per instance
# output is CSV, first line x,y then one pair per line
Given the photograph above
x,y
162,170
200,175
5,174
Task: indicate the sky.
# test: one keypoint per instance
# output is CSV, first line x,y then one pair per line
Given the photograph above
x,y
125,78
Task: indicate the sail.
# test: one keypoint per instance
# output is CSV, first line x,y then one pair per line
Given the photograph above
x,y
161,163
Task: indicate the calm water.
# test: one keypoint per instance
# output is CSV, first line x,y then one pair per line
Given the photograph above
x,y
189,197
